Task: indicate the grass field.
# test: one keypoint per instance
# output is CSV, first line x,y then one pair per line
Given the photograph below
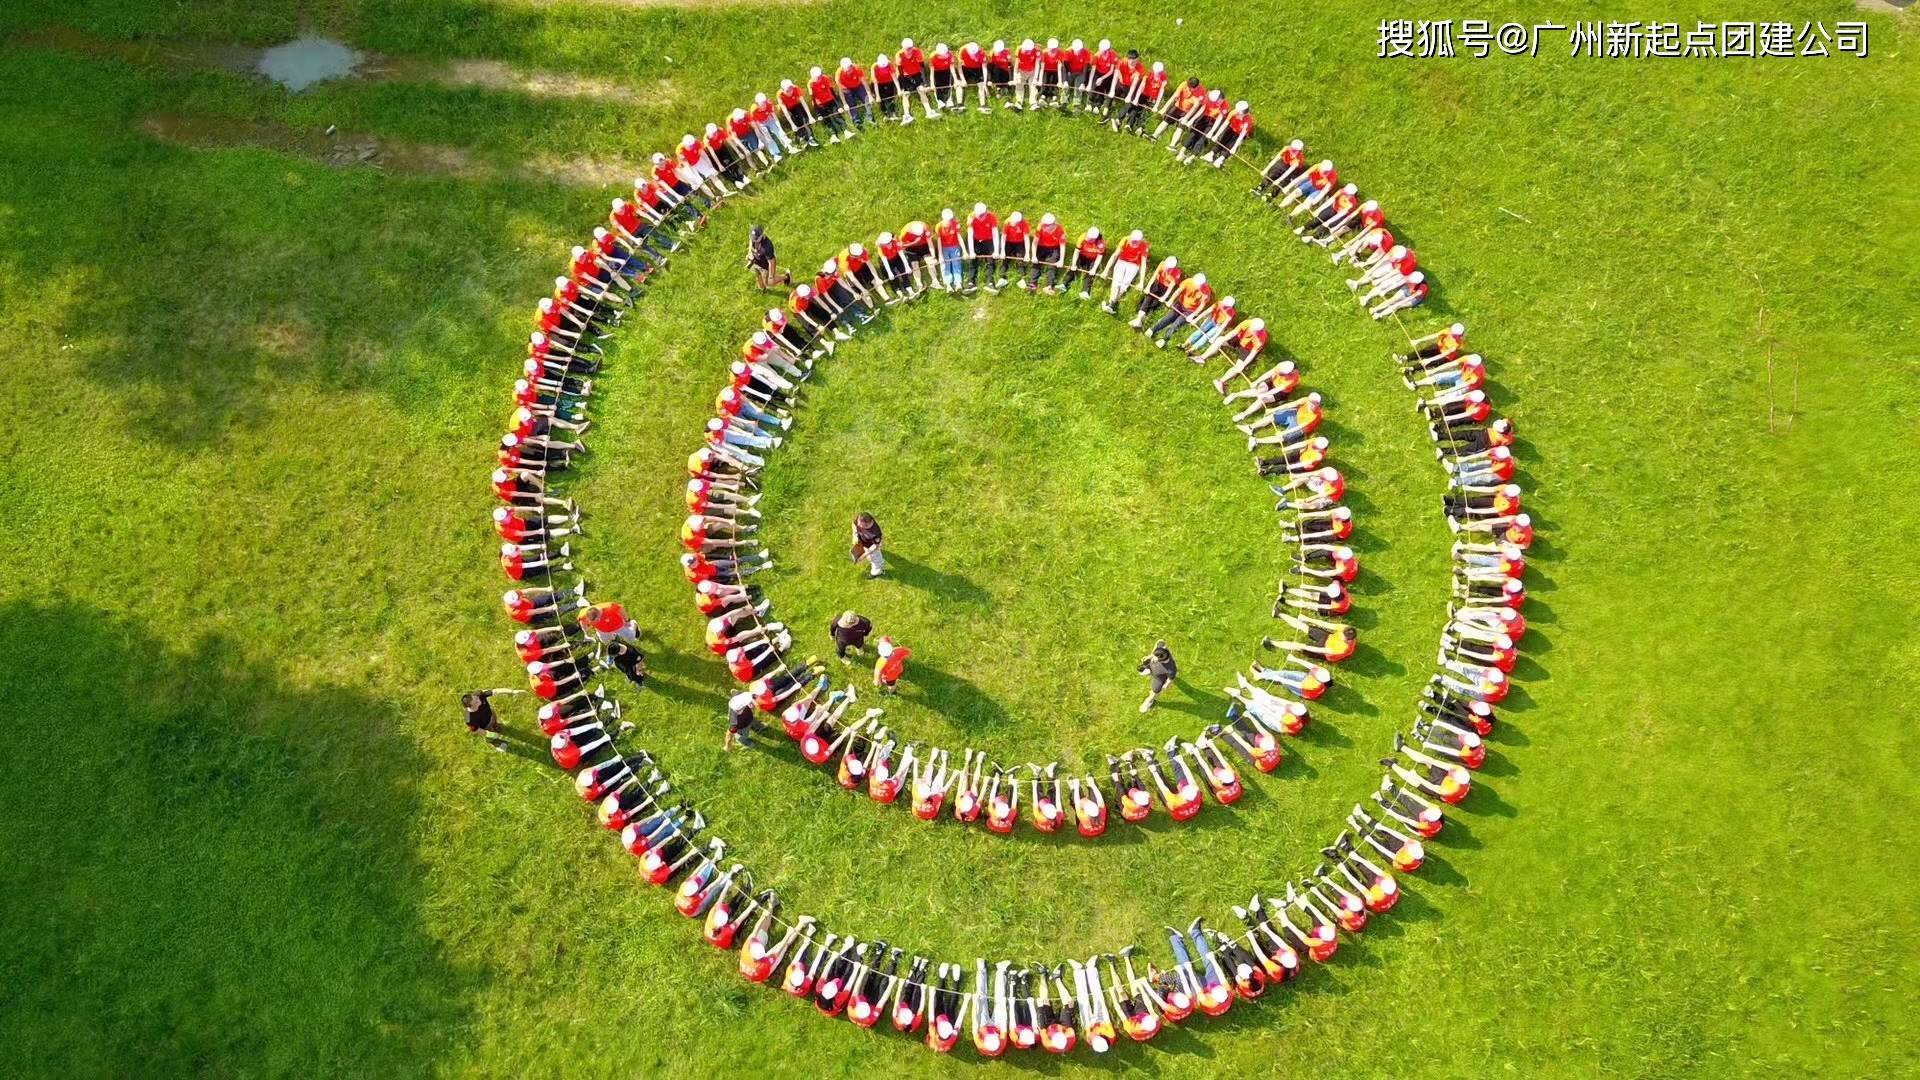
x,y
242,831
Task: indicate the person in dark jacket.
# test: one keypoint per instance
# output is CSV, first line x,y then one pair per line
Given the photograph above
x,y
866,543
480,716
761,260
1160,670
849,633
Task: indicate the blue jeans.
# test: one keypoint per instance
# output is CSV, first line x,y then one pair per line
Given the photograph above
x,y
1203,334
768,419
950,266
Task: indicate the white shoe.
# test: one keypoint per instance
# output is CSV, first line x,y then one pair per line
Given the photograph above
x,y
1146,705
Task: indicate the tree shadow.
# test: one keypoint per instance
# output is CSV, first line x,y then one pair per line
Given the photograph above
x,y
952,587
252,900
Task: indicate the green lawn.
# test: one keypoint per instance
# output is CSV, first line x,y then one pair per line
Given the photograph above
x,y
253,397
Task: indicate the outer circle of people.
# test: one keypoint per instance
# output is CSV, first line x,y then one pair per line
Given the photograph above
x,y
564,637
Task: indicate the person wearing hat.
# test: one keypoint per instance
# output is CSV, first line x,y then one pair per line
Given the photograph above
x,y
890,664
849,633
1190,301
629,660
1201,129
480,715
853,91
1181,112
609,622
1230,133
1050,252
1086,262
1409,292
761,260
1159,668
739,721
867,538
913,79
982,245
825,106
1158,290
1128,264
1281,170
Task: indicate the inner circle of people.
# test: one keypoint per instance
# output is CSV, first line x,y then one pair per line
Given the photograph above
x,y
754,413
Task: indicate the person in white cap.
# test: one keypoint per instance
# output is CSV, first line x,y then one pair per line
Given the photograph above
x,y
886,87
1129,262
1026,76
913,79
1411,292
1280,172
853,92
982,244
1087,256
1230,134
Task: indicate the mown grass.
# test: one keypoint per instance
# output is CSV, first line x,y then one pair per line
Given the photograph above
x,y
252,399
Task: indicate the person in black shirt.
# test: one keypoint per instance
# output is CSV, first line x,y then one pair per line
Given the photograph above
x,y
480,717
1160,670
849,633
627,657
866,543
760,259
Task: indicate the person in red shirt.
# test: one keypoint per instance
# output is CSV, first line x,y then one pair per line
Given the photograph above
x,y
1232,134
1053,72
945,90
916,249
1144,96
1158,290
947,233
1408,292
1049,253
1103,84
1189,302
1000,70
823,102
1281,171
853,93
981,244
1128,264
773,134
913,79
1396,262
532,605
1313,186
886,87
1079,64
1334,216
890,665
973,72
1204,127
1245,344
609,621
1016,245
797,115
1087,256
1026,77
519,560
1180,111
1213,325
525,489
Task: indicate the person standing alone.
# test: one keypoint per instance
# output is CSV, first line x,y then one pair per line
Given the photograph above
x,y
866,544
1160,670
761,260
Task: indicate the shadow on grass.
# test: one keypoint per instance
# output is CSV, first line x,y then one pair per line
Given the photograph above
x,y
955,588
251,900
958,699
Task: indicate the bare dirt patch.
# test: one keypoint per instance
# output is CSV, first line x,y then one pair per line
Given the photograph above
x,y
309,60
346,150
